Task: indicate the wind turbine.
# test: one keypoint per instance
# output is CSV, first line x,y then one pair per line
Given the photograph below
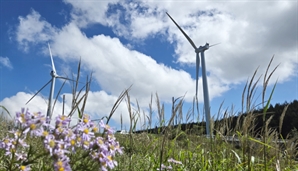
x,y
201,50
53,79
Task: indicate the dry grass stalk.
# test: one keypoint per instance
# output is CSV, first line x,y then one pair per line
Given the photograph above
x,y
281,119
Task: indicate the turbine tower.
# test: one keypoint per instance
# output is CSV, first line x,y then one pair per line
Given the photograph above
x,y
201,50
53,79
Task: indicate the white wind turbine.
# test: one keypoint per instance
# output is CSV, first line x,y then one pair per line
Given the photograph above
x,y
53,79
201,50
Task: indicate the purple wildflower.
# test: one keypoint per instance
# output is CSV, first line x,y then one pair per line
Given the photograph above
x,y
6,143
62,164
62,121
50,143
107,160
86,121
87,144
61,139
171,160
32,127
22,117
87,134
94,129
70,140
21,156
164,167
16,133
107,128
99,141
60,148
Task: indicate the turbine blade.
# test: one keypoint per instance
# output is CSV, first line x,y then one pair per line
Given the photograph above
x,y
65,78
197,72
190,41
38,91
53,66
214,44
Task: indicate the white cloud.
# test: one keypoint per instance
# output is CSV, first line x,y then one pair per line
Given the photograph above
x,y
249,33
89,12
15,103
33,29
99,105
5,62
117,67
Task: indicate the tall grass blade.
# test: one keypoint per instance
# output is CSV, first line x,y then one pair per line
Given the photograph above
x,y
1,106
281,119
118,102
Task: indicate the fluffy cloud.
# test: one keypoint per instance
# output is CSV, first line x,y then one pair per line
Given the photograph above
x,y
89,12
118,69
99,105
33,29
16,102
5,62
114,70
248,39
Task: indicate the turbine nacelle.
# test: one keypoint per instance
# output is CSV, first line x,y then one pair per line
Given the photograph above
x,y
53,74
202,48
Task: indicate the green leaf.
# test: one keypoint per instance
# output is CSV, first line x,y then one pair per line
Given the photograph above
x,y
80,114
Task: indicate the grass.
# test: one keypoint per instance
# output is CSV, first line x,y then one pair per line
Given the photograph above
x,y
171,148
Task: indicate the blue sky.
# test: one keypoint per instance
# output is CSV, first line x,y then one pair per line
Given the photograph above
x,y
135,43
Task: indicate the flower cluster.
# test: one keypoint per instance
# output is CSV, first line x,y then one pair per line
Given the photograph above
x,y
61,140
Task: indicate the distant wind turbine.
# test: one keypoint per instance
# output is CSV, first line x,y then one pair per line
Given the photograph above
x,y
53,79
201,50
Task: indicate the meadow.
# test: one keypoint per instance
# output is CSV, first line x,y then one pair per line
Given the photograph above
x,y
25,142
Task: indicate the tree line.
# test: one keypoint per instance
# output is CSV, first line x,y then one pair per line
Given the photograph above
x,y
286,125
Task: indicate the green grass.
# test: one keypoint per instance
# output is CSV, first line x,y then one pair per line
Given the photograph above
x,y
198,153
